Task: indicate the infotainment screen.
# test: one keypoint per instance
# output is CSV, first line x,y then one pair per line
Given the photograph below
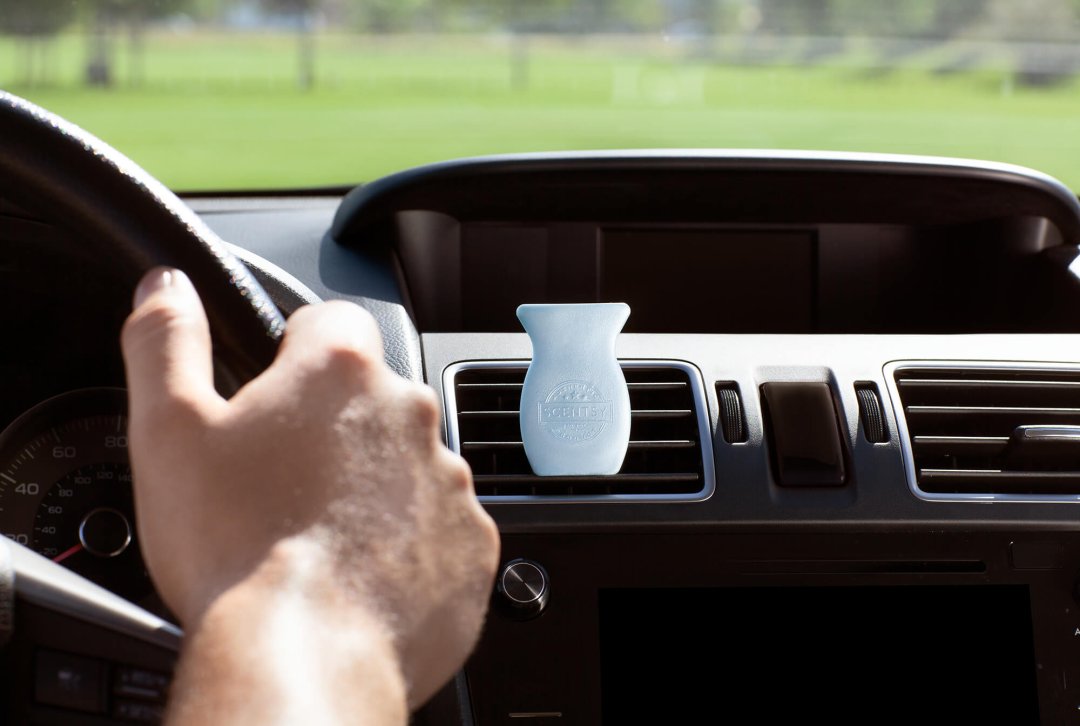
x,y
685,280
830,655
677,279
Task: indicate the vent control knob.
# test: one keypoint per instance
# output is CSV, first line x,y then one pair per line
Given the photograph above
x,y
523,588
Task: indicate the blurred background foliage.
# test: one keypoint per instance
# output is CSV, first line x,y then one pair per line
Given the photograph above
x,y
212,94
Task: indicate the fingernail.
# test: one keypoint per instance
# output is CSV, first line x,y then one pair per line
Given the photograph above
x,y
157,279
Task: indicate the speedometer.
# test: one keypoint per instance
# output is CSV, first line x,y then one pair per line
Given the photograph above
x,y
65,488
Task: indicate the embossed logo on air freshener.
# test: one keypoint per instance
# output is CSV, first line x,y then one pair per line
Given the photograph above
x,y
574,411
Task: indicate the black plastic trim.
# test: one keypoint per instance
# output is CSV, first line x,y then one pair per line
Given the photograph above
x,y
713,185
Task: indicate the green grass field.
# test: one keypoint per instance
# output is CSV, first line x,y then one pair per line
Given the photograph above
x,y
220,111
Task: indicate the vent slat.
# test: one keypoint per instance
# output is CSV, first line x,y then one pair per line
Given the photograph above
x,y
662,413
990,411
614,479
664,456
484,445
961,422
999,482
956,445
489,386
647,386
915,384
644,413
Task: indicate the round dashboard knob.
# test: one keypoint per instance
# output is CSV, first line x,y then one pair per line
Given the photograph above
x,y
523,587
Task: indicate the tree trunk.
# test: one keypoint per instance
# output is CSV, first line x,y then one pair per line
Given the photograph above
x,y
306,54
519,61
27,47
137,52
99,63
45,58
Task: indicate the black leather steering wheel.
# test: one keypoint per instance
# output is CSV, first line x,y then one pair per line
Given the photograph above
x,y
135,223
101,193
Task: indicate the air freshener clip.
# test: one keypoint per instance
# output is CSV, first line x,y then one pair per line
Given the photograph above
x,y
575,407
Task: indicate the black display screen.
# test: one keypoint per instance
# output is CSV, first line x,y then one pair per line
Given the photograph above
x,y
686,281
675,279
831,655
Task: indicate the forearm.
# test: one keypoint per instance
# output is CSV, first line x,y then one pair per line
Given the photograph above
x,y
283,648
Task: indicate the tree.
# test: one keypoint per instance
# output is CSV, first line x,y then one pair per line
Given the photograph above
x,y
137,14
302,15
34,24
952,17
796,17
524,18
38,19
1044,29
387,16
107,18
1031,20
887,18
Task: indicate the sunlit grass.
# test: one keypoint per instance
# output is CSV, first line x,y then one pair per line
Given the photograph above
x,y
223,111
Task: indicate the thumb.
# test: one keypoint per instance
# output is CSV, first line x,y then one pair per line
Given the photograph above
x,y
166,345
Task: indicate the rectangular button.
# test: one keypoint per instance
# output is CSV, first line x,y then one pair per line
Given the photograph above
x,y
1037,555
69,681
804,434
139,712
140,683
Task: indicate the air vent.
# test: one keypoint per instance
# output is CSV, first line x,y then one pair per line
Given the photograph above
x,y
992,433
669,436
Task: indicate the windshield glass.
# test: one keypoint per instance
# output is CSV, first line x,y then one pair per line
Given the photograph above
x,y
254,94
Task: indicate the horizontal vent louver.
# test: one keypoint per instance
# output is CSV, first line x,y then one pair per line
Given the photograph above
x,y
664,457
963,425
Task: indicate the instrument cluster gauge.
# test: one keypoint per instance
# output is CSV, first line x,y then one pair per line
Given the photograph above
x,y
65,489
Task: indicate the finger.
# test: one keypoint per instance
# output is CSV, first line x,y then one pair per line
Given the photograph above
x,y
335,333
166,345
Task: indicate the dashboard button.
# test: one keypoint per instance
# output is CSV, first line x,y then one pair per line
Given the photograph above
x,y
804,435
69,681
1037,555
140,683
139,712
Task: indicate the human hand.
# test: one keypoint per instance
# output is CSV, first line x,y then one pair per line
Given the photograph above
x,y
323,480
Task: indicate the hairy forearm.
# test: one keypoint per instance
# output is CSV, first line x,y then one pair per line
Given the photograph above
x,y
285,647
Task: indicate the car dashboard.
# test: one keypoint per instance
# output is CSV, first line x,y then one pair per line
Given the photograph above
x,y
852,484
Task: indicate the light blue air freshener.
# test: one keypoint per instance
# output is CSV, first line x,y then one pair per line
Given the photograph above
x,y
575,409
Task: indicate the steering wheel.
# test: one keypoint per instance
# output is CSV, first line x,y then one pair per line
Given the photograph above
x,y
139,224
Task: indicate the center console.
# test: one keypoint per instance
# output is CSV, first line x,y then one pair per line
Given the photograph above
x,y
864,600
851,492
957,627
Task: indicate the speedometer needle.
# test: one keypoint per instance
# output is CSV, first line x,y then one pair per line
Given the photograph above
x,y
67,553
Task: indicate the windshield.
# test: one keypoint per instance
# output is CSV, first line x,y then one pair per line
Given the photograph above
x,y
250,94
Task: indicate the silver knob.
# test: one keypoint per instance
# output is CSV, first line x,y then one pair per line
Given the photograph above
x,y
523,586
